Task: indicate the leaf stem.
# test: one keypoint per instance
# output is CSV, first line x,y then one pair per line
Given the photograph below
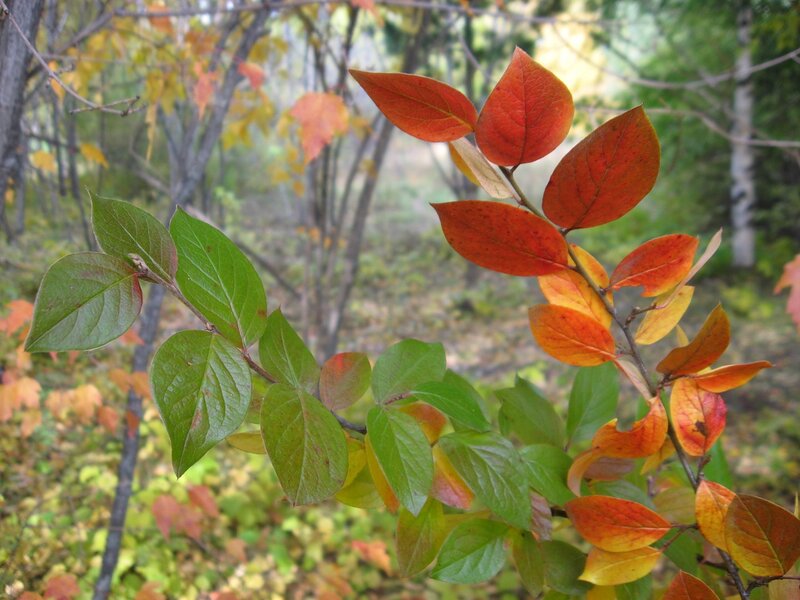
x,y
633,350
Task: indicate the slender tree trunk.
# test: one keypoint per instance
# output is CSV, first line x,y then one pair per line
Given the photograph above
x,y
743,189
14,58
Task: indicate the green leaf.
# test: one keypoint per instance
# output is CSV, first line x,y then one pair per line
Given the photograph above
x,y
593,401
361,492
683,549
472,553
547,468
494,471
460,407
201,386
345,377
404,455
123,229
419,538
563,564
529,561
635,590
718,470
284,355
530,416
405,365
624,489
85,300
305,443
456,381
216,277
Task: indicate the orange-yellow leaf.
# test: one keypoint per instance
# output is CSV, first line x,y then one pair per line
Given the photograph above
x,y
448,486
379,479
654,460
149,591
571,336
729,377
85,401
713,246
478,170
697,415
44,161
253,72
616,568
162,24
502,238
20,313
578,469
614,524
762,537
644,438
423,107
658,265
591,265
93,154
706,347
688,587
527,114
791,279
570,289
321,117
430,420
710,507
606,174
659,321
108,418
375,553
602,592
203,88
30,421
634,375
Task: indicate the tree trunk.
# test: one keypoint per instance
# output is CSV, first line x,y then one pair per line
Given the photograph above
x,y
743,189
14,58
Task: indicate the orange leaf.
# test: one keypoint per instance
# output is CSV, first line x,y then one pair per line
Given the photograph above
x,y
615,568
430,420
321,116
379,479
121,378
108,418
502,237
791,279
658,265
643,439
149,591
571,336
423,107
203,88
578,469
140,383
606,174
236,549
85,401
729,377
688,587
713,246
526,116
697,415
448,486
21,312
374,553
762,537
202,498
253,72
570,289
614,524
162,24
707,346
62,587
662,319
30,421
710,507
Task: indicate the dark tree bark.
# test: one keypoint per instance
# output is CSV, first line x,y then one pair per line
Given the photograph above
x,y
14,59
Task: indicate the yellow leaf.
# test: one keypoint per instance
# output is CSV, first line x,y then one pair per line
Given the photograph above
x,y
57,89
615,568
93,154
44,161
659,321
85,400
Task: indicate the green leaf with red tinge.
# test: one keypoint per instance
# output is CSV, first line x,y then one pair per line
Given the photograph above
x,y
606,174
502,238
658,265
344,378
459,407
706,347
201,386
526,116
419,538
423,107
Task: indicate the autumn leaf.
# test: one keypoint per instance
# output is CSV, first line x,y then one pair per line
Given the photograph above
x,y
571,336
62,587
706,347
473,164
388,496
606,174
430,420
697,415
422,107
30,421
203,88
711,249
20,313
149,591
374,553
502,238
85,401
166,511
44,161
658,265
666,315
762,537
448,486
108,418
591,265
711,506
578,468
570,289
729,377
527,114
321,116
614,524
644,438
202,498
253,72
93,154
791,279
162,24
616,568
688,587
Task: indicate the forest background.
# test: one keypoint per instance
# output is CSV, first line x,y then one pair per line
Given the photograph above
x,y
245,113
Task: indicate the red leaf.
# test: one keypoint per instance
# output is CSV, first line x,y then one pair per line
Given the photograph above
x,y
502,237
697,415
166,511
321,116
202,498
791,279
658,265
527,115
606,174
108,418
688,587
62,587
423,107
448,486
344,379
707,346
614,524
729,377
571,336
253,72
